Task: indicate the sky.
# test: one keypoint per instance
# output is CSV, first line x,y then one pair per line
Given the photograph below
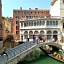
x,y
9,5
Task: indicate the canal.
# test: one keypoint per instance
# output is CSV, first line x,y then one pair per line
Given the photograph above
x,y
44,59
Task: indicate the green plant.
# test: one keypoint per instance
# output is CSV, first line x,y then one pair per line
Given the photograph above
x,y
35,54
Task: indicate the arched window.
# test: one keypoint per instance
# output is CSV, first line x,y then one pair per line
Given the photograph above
x,y
55,34
49,34
31,35
25,34
42,33
36,33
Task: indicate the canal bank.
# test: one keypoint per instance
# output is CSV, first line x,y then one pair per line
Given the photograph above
x,y
44,59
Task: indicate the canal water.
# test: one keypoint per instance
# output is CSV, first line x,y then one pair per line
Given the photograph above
x,y
44,59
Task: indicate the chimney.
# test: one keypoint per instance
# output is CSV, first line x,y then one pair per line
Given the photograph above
x,y
29,8
21,8
36,8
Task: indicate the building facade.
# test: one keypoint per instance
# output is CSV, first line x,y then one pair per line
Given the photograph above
x,y
6,27
26,14
57,8
1,28
1,24
11,22
48,27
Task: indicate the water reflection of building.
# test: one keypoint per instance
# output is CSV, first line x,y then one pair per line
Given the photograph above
x,y
49,27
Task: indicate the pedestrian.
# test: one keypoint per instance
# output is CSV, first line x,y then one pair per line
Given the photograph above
x,y
37,39
34,38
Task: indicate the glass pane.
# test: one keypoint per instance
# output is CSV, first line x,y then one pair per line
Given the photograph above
x,y
56,22
47,23
53,22
22,24
50,22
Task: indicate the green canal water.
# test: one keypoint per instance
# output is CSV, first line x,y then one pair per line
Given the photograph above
x,y
44,59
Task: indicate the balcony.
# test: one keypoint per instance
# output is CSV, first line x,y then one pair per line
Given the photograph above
x,y
40,27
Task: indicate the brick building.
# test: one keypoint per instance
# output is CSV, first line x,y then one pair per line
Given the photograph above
x,y
7,27
1,25
26,14
11,21
1,28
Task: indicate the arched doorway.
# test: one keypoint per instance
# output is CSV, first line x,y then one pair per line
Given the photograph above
x,y
31,35
25,35
42,33
49,35
36,33
55,34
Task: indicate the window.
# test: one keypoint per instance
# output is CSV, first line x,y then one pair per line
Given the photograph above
x,y
38,12
49,34
34,23
31,12
17,27
42,22
21,24
27,16
63,25
17,32
17,17
23,12
17,12
25,35
56,22
38,23
53,22
50,22
30,34
25,24
42,12
47,23
17,22
35,12
31,23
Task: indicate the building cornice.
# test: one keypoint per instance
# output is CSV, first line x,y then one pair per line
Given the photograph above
x,y
53,2
45,18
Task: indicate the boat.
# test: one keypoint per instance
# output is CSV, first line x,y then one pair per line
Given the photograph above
x,y
52,55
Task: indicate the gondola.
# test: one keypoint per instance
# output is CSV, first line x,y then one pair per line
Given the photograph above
x,y
51,55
